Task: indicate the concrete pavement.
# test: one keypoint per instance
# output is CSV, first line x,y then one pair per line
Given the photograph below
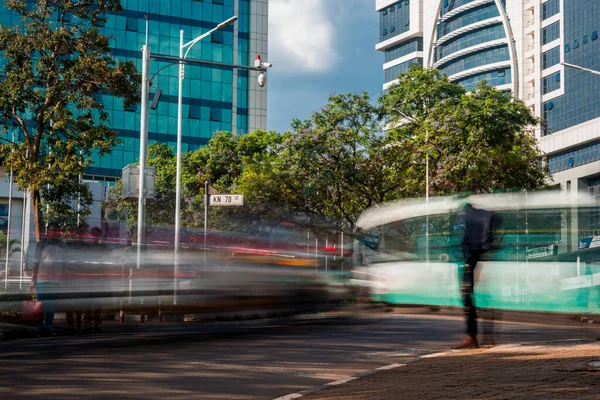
x,y
546,370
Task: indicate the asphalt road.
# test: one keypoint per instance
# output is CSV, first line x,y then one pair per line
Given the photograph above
x,y
260,360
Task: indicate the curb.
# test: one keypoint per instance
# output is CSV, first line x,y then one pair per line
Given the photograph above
x,y
359,375
425,356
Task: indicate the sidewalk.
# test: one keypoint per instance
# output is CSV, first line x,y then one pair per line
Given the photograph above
x,y
552,370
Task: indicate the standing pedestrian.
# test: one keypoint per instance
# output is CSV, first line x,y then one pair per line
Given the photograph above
x,y
477,241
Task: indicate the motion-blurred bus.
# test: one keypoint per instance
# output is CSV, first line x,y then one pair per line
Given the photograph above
x,y
545,256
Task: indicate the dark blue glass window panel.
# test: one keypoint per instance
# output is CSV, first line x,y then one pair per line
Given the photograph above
x,y
195,112
473,38
550,33
400,20
493,78
392,73
477,59
217,37
450,5
574,157
585,39
575,43
580,102
467,18
550,83
550,8
132,25
551,57
403,49
216,114
594,35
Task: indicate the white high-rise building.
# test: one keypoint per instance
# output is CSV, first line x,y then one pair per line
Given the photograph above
x,y
515,45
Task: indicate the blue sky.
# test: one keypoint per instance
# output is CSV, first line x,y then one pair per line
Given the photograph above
x,y
319,48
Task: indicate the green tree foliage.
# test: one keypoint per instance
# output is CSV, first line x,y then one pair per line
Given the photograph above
x,y
340,161
56,69
477,142
160,211
353,154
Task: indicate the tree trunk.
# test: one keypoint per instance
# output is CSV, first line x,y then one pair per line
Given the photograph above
x,y
38,217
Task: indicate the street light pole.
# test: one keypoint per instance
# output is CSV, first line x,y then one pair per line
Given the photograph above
x,y
182,57
143,147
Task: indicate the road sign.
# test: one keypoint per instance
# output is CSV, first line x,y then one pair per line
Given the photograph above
x,y
226,200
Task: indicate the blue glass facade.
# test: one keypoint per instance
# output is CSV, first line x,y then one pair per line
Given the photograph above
x,y
550,33
581,102
393,72
403,49
551,57
550,8
476,59
467,18
575,157
494,78
207,91
471,36
449,5
470,39
550,83
394,20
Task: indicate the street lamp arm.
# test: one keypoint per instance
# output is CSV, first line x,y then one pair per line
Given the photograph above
x,y
191,44
593,71
222,25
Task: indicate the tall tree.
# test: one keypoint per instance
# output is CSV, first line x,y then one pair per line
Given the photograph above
x,y
479,141
56,69
340,161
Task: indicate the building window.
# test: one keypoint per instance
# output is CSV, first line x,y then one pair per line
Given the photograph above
x,y
567,48
469,17
551,57
220,2
403,49
194,112
550,8
550,33
594,35
384,32
216,114
217,37
575,43
585,39
132,25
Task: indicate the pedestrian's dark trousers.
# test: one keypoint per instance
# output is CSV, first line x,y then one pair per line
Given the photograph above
x,y
467,288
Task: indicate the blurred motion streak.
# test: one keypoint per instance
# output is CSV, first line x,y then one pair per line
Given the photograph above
x,y
243,271
546,255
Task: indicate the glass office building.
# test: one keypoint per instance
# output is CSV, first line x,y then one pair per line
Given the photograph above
x,y
214,98
516,45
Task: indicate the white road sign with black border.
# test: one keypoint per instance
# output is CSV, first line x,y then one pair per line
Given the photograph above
x,y
226,200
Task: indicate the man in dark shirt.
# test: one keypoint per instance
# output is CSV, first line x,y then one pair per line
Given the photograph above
x,y
477,240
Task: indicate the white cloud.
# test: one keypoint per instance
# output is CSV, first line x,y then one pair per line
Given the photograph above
x,y
301,38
